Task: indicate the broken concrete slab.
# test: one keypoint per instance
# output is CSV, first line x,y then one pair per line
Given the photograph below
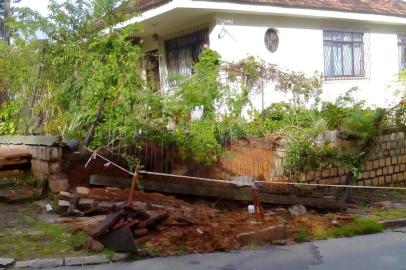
x,y
86,260
268,235
6,262
40,263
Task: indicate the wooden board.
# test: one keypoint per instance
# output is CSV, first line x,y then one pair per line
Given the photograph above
x,y
106,181
15,161
12,153
10,173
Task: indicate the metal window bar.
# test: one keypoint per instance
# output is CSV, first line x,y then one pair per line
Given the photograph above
x,y
402,51
345,55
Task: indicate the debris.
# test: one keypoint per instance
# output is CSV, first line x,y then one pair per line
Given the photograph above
x,y
48,208
104,226
93,245
297,210
82,190
58,183
199,231
6,262
251,209
63,195
120,240
86,204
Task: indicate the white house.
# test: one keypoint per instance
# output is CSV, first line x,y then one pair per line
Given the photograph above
x,y
353,43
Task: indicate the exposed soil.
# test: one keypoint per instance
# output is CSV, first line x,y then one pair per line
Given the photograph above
x,y
74,168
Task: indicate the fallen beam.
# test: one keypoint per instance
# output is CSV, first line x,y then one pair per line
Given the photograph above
x,y
223,190
233,192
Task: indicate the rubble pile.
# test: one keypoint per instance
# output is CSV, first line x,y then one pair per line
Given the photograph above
x,y
162,223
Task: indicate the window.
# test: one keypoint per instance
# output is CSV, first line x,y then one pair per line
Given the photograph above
x,y
271,40
402,51
182,52
344,55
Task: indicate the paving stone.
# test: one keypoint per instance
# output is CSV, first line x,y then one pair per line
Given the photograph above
x,y
4,262
40,263
85,260
117,257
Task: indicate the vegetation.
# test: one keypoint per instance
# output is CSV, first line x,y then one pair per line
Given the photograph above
x,y
86,85
40,240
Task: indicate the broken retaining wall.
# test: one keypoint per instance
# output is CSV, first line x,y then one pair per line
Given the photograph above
x,y
386,165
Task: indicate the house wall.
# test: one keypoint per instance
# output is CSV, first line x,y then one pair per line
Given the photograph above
x,y
301,49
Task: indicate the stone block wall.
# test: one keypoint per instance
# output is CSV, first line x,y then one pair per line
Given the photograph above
x,y
386,166
46,158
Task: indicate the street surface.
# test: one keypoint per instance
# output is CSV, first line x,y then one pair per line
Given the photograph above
x,y
385,251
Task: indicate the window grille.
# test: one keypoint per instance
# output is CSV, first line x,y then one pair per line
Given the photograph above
x,y
402,51
345,55
182,52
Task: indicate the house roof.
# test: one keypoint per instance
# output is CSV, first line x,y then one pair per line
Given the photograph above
x,y
380,7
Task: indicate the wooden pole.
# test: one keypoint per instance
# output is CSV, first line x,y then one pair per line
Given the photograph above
x,y
134,181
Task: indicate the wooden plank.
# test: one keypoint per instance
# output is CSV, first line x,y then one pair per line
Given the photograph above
x,y
13,161
107,181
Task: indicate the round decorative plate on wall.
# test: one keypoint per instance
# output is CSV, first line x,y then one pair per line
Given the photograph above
x,y
271,40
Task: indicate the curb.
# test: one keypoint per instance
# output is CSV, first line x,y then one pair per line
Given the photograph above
x,y
68,261
393,224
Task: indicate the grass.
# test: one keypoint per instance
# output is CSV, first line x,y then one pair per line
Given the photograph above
x,y
40,240
359,226
388,214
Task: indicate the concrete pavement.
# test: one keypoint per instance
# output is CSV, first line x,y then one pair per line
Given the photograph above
x,y
385,251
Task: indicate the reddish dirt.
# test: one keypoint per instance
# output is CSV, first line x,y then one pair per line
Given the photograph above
x,y
78,175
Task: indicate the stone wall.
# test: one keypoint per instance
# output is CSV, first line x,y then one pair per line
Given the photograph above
x,y
386,165
46,157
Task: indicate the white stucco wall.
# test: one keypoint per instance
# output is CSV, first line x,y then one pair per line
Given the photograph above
x,y
301,49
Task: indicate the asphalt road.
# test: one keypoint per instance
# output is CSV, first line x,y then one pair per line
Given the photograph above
x,y
385,251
